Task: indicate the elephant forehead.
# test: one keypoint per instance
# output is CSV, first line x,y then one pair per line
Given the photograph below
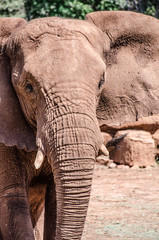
x,y
56,26
64,59
31,35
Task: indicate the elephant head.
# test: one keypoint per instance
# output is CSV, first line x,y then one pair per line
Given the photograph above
x,y
57,68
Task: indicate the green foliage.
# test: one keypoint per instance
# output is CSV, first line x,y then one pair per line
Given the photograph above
x,y
150,10
62,8
12,8
109,5
73,8
68,8
149,7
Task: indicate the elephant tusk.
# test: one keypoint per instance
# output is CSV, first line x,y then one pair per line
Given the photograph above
x,y
39,159
104,150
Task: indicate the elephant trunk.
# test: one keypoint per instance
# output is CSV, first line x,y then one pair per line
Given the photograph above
x,y
72,145
73,179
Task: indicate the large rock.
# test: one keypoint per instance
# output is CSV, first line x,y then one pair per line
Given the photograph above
x,y
106,137
149,124
155,136
136,149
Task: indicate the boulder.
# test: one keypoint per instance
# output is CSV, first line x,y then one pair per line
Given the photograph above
x,y
106,137
155,136
102,159
136,149
149,124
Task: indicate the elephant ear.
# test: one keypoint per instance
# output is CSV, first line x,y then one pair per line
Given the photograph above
x,y
131,90
14,129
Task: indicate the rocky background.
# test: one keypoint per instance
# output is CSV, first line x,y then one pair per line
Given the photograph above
x,y
134,144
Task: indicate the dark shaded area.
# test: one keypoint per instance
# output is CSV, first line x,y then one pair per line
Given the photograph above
x,y
112,144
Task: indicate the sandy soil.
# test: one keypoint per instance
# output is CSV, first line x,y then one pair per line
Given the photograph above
x,y
124,205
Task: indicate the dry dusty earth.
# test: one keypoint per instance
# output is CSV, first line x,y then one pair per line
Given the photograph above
x,y
124,205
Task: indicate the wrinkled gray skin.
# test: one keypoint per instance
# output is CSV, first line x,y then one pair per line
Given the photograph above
x,y
56,69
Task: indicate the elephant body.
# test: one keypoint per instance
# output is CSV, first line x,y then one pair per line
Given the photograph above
x,y
131,91
53,100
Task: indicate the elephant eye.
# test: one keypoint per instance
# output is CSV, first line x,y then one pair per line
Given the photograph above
x,y
29,88
102,81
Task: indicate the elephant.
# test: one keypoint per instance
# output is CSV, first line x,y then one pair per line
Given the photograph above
x,y
60,81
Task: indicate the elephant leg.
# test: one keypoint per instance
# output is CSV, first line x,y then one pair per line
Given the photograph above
x,y
1,235
50,211
15,221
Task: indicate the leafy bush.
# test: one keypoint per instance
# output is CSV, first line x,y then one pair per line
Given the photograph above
x,y
12,8
68,8
30,9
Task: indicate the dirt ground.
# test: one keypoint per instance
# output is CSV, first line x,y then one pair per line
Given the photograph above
x,y
124,205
